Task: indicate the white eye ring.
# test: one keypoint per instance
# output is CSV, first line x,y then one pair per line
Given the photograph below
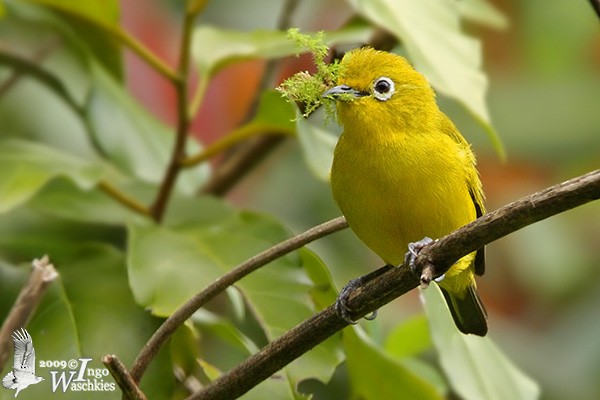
x,y
383,88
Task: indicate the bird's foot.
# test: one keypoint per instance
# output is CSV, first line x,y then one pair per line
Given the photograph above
x,y
341,304
428,271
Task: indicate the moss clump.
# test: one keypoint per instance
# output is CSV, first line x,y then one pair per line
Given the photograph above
x,y
305,89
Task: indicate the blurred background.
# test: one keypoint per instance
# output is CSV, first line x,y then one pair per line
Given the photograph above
x,y
542,284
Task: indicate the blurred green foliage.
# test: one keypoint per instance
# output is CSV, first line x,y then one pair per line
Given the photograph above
x,y
76,134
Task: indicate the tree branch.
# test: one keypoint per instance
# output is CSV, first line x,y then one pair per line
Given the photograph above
x,y
30,68
596,6
164,332
244,159
42,273
118,371
235,137
123,198
235,167
116,32
397,281
159,205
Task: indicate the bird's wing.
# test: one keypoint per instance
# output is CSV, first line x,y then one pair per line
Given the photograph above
x,y
9,380
473,183
479,262
24,353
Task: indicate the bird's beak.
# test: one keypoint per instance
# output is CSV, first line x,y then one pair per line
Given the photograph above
x,y
343,92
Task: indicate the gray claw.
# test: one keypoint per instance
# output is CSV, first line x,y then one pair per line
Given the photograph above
x,y
340,304
426,275
342,308
413,251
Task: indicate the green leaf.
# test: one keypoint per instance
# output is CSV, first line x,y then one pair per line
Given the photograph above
x,y
169,265
475,366
88,303
209,370
27,166
376,375
274,111
431,32
165,268
318,144
86,18
103,11
483,12
184,349
133,138
409,338
61,198
29,27
225,330
26,234
323,291
213,48
276,387
407,342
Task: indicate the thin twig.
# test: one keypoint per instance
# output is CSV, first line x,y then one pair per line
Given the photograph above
x,y
31,69
118,371
397,281
235,167
237,164
123,198
122,36
41,275
52,82
235,137
159,205
37,57
163,333
190,383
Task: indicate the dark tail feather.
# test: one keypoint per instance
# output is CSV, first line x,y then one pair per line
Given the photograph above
x,y
468,312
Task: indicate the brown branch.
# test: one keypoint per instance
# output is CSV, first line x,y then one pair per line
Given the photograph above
x,y
118,371
238,164
164,332
42,273
234,138
395,282
159,205
235,167
596,6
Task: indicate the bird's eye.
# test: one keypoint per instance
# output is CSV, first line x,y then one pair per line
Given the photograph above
x,y
383,88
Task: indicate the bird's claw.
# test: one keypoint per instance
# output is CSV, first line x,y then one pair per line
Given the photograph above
x,y
428,271
341,306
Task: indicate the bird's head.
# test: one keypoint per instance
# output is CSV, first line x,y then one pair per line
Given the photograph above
x,y
383,86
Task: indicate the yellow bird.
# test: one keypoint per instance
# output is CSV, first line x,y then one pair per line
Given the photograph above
x,y
403,172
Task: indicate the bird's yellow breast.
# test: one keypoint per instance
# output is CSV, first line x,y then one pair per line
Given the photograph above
x,y
395,188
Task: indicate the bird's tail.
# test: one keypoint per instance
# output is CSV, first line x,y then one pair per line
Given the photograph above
x,y
467,311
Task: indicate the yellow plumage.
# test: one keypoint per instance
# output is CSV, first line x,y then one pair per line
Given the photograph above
x,y
402,171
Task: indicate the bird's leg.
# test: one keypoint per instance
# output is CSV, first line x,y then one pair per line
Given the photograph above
x,y
411,255
341,304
